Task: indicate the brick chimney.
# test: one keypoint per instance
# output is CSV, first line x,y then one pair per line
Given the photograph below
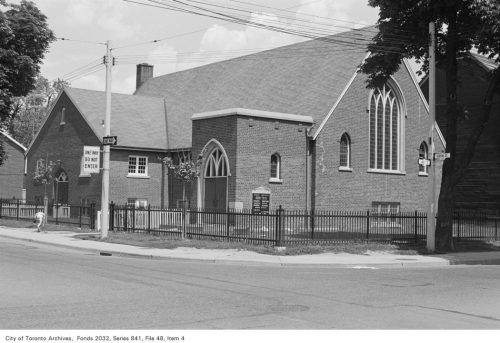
x,y
144,73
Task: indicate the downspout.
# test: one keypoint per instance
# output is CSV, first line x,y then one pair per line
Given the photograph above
x,y
163,182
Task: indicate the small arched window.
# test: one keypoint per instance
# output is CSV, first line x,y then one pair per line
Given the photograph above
x,y
275,167
345,151
423,157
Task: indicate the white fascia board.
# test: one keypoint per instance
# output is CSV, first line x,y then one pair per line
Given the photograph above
x,y
253,113
346,88
13,140
422,97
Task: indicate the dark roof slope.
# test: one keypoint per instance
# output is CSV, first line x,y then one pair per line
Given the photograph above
x,y
304,78
138,121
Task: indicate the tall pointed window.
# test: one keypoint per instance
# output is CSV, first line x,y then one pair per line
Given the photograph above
x,y
345,152
386,130
275,167
423,156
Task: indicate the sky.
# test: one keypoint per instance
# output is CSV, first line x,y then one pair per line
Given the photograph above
x,y
184,40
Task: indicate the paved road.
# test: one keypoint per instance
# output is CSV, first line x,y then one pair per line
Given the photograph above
x,y
46,287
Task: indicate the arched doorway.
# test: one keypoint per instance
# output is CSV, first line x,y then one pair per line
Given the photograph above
x,y
215,177
61,188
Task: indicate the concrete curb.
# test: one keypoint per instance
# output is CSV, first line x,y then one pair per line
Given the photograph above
x,y
230,257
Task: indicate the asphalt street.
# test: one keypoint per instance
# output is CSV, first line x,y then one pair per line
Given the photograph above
x,y
48,287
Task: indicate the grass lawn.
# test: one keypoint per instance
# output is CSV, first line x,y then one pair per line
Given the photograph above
x,y
165,242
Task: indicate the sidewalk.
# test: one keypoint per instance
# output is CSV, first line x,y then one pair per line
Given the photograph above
x,y
228,256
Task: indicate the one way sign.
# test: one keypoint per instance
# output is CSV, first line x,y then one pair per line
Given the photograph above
x,y
109,140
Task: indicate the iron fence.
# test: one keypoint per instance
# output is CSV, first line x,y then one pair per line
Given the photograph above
x,y
82,216
475,225
278,227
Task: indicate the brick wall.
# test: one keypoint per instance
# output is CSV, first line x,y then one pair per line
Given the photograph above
x,y
357,189
64,143
11,171
249,145
122,186
257,141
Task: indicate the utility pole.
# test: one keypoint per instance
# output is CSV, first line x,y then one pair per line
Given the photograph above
x,y
106,148
431,213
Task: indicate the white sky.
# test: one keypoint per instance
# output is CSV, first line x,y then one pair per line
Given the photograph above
x,y
125,23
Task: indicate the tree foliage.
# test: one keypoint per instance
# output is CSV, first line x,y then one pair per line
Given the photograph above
x,y
461,25
24,40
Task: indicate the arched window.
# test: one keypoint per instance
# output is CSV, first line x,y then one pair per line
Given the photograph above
x,y
423,154
61,187
275,167
216,165
345,151
386,130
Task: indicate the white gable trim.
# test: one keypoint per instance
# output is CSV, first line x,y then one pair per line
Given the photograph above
x,y
338,100
252,113
422,97
13,140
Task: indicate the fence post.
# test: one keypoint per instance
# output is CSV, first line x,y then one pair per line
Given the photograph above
x,y
1,208
313,222
496,225
184,215
92,216
112,216
133,219
367,224
279,222
18,209
458,229
57,214
227,221
125,219
416,226
149,218
80,216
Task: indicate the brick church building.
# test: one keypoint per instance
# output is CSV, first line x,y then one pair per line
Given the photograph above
x,y
295,123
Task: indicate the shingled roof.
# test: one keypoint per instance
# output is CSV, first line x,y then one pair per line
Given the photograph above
x,y
138,121
303,79
300,79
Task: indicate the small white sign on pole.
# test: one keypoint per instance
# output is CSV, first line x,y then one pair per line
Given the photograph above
x,y
91,159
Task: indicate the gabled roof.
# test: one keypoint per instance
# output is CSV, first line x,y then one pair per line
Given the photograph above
x,y
15,142
138,121
485,62
305,79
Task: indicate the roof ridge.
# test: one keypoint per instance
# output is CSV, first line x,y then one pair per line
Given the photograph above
x,y
113,93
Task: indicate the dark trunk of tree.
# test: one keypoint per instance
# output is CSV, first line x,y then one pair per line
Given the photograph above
x,y
444,225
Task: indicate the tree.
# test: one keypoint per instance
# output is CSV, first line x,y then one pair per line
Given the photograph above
x,y
461,25
30,111
186,170
24,40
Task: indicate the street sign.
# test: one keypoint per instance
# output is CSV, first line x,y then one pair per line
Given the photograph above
x,y
424,162
442,156
91,159
109,140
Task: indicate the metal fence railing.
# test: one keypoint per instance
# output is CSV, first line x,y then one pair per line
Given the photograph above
x,y
279,227
82,216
